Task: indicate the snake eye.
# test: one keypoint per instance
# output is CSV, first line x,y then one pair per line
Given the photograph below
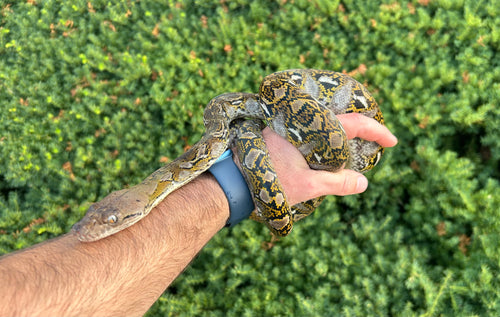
x,y
112,219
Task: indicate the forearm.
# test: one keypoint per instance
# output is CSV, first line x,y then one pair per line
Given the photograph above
x,y
120,275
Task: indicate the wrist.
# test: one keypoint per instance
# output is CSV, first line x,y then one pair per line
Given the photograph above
x,y
212,202
232,182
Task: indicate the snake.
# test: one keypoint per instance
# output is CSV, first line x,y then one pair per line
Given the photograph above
x,y
298,104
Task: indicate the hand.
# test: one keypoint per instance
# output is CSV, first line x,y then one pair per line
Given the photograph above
x,y
301,183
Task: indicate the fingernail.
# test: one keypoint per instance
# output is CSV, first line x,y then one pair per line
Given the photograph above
x,y
395,139
362,184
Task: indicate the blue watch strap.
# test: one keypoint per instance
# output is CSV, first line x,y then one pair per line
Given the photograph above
x,y
234,186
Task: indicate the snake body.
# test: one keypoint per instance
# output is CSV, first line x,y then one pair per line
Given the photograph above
x,y
299,105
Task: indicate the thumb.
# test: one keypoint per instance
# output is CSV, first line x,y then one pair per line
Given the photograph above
x,y
341,183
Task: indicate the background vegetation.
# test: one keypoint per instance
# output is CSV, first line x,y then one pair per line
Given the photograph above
x,y
96,95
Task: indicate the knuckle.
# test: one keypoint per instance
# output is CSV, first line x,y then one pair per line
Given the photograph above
x,y
347,185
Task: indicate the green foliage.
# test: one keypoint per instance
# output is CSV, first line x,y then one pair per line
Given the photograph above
x,y
96,94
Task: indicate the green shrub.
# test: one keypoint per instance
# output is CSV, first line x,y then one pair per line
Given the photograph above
x,y
91,93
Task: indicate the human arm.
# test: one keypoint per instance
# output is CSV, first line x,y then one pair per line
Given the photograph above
x,y
125,273
120,275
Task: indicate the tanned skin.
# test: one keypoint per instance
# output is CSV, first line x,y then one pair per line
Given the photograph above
x,y
126,273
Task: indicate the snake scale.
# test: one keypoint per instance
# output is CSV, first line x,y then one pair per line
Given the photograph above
x,y
300,105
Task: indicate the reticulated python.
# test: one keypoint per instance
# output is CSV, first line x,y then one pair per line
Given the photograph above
x,y
299,105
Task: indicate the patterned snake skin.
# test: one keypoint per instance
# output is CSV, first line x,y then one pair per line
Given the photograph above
x,y
299,105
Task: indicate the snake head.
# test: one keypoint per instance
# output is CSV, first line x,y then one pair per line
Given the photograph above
x,y
114,213
364,155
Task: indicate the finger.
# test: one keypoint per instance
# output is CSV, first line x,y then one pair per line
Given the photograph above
x,y
357,125
341,183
